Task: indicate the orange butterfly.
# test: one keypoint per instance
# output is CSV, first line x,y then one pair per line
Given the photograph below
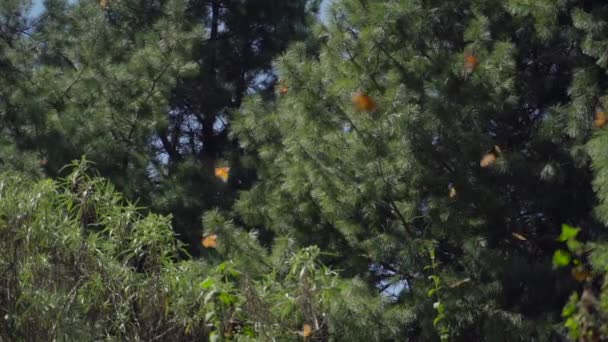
x,y
600,119
470,63
209,241
222,173
488,159
306,330
363,102
283,90
452,192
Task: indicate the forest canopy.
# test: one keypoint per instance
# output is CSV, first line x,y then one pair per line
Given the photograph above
x,y
347,170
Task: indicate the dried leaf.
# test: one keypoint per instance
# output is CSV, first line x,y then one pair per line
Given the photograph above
x,y
519,236
580,274
459,282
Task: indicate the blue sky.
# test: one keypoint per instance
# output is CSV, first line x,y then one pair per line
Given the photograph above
x,y
37,7
324,9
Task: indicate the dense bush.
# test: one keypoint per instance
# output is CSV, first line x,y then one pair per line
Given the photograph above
x,y
81,263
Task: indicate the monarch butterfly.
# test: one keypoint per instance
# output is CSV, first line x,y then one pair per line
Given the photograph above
x,y
222,173
209,241
306,330
600,119
452,192
470,63
363,102
488,159
283,90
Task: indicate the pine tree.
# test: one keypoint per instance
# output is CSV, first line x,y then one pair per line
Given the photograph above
x,y
439,139
144,90
16,51
234,59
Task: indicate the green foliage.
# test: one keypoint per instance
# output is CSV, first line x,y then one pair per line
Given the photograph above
x,y
143,89
586,311
435,292
486,160
470,130
563,257
81,263
73,258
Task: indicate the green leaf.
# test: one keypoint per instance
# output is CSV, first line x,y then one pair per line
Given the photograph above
x,y
573,327
227,298
574,246
214,337
248,331
561,258
571,306
207,283
208,296
436,280
437,320
568,232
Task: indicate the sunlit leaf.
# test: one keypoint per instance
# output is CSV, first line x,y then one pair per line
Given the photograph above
x,y
568,232
561,258
207,283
